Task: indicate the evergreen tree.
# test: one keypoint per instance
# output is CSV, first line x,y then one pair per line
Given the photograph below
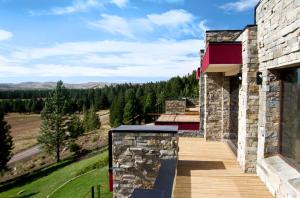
x,y
75,127
6,142
53,134
130,107
149,106
117,110
91,120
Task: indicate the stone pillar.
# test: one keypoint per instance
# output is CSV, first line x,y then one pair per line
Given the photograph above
x,y
226,109
248,102
269,115
216,107
136,159
213,115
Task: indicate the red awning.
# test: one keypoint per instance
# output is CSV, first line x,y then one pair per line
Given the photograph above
x,y
222,57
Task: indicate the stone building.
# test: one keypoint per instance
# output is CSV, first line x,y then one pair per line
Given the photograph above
x,y
142,160
250,94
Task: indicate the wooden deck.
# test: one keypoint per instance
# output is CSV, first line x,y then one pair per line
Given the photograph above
x,y
210,170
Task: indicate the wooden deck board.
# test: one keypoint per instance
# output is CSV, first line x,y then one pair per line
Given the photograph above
x,y
210,170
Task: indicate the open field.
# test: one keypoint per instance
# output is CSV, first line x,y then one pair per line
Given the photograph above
x,y
89,142
46,184
24,129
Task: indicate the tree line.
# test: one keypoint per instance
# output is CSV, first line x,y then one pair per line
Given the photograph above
x,y
60,127
33,101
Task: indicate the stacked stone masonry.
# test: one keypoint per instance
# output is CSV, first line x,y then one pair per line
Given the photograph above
x,y
249,101
175,106
136,159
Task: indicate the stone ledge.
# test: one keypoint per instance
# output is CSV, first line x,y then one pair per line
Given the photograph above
x,y
281,179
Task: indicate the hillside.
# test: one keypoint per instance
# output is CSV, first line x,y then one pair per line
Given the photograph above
x,y
50,85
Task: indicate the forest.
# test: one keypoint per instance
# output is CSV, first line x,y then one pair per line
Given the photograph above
x,y
128,103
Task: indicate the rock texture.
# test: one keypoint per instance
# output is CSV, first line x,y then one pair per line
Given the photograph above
x,y
136,159
248,101
175,106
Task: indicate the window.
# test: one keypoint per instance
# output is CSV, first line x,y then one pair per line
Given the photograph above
x,y
290,126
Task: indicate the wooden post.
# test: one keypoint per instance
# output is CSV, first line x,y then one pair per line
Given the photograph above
x,y
93,193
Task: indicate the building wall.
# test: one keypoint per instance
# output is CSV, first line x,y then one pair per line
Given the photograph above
x,y
213,115
175,106
221,35
248,101
278,23
278,30
136,159
215,95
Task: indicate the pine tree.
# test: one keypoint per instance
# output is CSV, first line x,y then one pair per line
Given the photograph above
x,y
75,127
53,134
91,120
130,107
6,142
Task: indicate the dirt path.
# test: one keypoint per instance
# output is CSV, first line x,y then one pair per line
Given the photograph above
x,y
24,155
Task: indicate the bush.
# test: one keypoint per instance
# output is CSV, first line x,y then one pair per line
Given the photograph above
x,y
96,165
75,148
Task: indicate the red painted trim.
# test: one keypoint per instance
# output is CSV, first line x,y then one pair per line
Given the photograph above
x,y
222,53
189,126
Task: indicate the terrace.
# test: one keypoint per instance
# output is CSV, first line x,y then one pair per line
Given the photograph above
x,y
209,169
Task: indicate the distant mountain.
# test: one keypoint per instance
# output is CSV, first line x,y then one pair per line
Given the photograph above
x,y
50,85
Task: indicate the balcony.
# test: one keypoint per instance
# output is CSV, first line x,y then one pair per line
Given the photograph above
x,y
209,169
225,57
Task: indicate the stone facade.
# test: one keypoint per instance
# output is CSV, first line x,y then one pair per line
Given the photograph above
x,y
221,35
248,101
278,24
136,159
269,46
175,106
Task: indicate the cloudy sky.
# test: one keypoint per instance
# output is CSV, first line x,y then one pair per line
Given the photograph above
x,y
109,40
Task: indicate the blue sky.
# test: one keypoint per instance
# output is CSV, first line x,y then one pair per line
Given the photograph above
x,y
109,40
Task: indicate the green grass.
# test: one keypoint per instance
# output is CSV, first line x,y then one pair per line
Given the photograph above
x,y
43,186
83,185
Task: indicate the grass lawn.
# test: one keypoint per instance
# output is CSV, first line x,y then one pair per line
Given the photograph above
x,y
43,186
83,185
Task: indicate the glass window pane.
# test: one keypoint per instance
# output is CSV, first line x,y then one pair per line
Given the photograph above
x,y
290,133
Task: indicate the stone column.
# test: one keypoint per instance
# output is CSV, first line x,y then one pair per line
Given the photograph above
x,y
213,115
269,115
248,102
226,109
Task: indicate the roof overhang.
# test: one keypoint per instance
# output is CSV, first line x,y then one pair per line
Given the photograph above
x,y
225,57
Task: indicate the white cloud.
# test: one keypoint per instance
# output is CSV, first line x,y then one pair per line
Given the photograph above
x,y
174,23
75,7
120,3
240,5
5,35
113,24
79,6
203,27
171,18
162,58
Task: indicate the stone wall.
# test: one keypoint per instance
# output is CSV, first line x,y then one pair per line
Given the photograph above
x,y
136,159
278,39
175,106
221,35
248,102
234,109
201,101
213,115
278,24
